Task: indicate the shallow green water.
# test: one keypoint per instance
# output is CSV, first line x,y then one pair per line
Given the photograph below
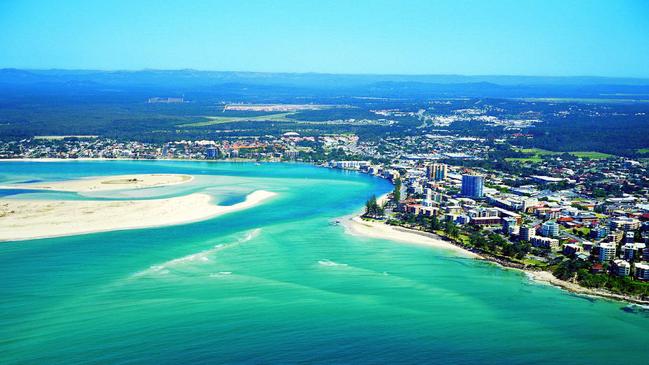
x,y
280,283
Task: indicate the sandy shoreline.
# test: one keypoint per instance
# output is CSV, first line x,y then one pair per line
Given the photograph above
x,y
357,226
547,278
32,219
107,183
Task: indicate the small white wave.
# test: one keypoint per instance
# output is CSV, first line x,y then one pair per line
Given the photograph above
x,y
250,235
327,262
635,305
197,258
220,274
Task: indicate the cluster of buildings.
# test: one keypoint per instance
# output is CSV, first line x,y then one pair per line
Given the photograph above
x,y
77,147
596,210
483,115
289,146
610,233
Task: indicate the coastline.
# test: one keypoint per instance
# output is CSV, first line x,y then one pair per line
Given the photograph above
x,y
85,159
357,226
375,229
37,219
546,277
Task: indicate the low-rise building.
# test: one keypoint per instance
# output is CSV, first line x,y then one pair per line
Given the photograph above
x,y
642,271
350,165
599,232
510,226
571,249
544,242
621,268
624,224
485,221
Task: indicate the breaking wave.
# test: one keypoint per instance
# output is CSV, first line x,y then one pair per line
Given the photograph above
x,y
327,262
220,274
196,258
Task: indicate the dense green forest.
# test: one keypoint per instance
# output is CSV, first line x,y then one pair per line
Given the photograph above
x,y
118,108
620,135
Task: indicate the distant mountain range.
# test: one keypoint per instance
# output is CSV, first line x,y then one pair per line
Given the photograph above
x,y
329,84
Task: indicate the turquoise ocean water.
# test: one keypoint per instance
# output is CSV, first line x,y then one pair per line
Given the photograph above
x,y
280,283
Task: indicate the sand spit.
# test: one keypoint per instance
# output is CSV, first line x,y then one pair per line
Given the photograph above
x,y
31,219
107,183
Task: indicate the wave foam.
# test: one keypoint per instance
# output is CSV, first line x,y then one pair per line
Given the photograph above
x,y
199,257
220,274
327,262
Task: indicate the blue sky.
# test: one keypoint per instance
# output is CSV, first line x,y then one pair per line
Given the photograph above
x,y
569,37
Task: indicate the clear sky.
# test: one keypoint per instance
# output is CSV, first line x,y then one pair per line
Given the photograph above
x,y
518,37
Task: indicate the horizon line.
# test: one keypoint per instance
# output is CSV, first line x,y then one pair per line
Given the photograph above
x,y
646,78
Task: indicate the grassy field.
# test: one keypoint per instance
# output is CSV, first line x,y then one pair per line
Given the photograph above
x,y
277,117
643,150
592,155
538,153
534,262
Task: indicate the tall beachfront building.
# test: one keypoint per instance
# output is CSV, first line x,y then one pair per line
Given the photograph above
x,y
473,186
436,171
607,251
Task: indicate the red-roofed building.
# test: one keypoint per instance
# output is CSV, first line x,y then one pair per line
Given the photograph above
x,y
565,219
597,268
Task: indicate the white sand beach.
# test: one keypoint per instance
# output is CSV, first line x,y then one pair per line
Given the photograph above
x,y
107,183
31,219
358,226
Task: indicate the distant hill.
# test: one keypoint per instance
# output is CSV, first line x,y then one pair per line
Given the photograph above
x,y
327,84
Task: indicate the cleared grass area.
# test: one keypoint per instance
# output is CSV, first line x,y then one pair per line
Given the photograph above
x,y
534,262
277,117
538,153
524,159
592,155
585,231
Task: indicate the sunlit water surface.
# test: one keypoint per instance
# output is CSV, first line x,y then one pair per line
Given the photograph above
x,y
279,283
